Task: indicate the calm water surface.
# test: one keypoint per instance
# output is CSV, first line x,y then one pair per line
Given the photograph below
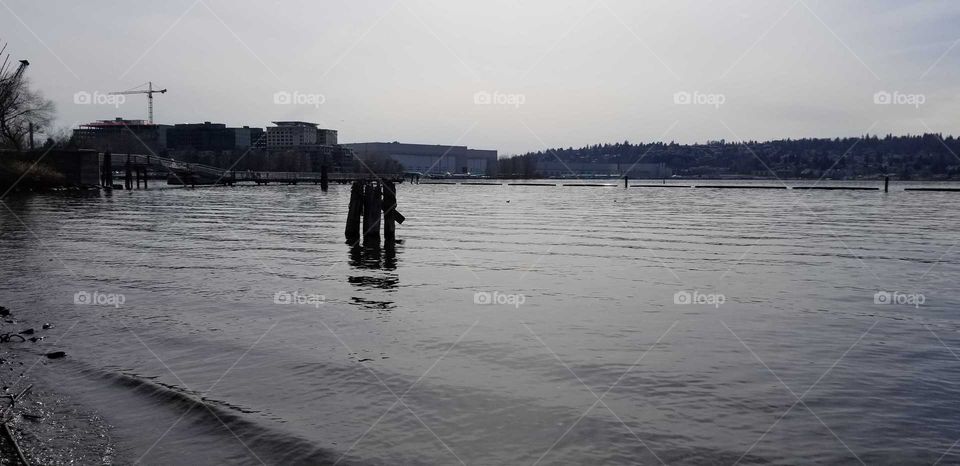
x,y
589,360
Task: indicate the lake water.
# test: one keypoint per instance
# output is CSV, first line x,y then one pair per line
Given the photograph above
x,y
588,354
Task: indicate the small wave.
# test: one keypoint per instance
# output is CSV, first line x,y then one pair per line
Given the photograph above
x,y
270,445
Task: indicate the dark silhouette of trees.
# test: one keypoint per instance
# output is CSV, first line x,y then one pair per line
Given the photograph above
x,y
925,156
20,106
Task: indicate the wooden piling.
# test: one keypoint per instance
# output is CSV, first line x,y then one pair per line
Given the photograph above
x,y
352,230
128,175
626,181
145,174
886,184
372,210
137,171
389,208
324,178
106,171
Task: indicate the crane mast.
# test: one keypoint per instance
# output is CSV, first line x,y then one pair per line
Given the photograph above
x,y
149,92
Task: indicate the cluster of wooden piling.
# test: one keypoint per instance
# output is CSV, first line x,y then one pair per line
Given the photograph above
x,y
372,203
132,171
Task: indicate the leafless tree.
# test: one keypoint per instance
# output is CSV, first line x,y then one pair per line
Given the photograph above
x,y
20,106
59,137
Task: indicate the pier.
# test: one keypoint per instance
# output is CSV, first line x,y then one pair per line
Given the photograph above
x,y
137,167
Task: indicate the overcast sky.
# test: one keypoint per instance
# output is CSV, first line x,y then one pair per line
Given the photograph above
x,y
507,75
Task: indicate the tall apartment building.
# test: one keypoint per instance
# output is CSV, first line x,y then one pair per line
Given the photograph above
x,y
327,137
299,133
247,137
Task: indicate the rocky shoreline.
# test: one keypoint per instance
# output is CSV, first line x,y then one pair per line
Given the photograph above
x,y
45,425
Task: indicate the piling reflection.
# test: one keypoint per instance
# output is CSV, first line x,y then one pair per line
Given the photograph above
x,y
373,258
380,265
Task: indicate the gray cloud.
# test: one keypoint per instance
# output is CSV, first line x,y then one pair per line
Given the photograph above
x,y
589,71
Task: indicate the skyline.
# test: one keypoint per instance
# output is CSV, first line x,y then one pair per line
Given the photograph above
x,y
514,78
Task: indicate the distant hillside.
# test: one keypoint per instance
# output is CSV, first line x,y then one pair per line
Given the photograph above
x,y
930,156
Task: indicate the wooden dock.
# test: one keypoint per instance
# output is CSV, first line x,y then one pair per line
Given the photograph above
x,y
136,167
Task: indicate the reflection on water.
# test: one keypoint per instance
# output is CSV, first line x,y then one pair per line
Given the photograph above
x,y
389,282
370,304
374,257
371,260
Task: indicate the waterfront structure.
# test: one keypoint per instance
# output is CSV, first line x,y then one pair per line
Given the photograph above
x,y
430,159
122,136
556,169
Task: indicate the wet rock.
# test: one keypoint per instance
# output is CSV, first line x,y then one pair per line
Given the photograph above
x,y
56,355
4,311
28,331
47,326
366,360
8,337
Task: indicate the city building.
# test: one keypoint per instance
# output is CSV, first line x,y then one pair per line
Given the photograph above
x,y
327,137
299,133
209,136
122,136
247,137
201,136
431,159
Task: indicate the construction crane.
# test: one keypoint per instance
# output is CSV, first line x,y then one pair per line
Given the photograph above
x,y
10,84
149,91
20,69
5,66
